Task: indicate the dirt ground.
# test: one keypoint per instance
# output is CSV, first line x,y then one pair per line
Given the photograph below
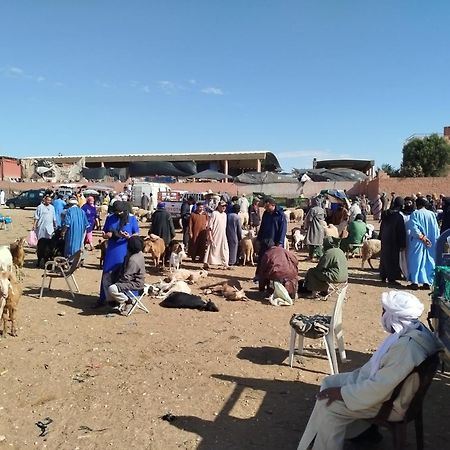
x,y
106,380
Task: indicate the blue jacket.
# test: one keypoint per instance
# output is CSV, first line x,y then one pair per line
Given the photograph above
x,y
273,227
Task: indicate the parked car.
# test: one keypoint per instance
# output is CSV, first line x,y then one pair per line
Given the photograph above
x,y
25,199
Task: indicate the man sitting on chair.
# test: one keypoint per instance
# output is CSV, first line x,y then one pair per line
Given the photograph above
x,y
131,276
346,398
331,268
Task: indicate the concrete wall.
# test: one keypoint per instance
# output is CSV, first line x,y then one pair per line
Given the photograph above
x,y
10,168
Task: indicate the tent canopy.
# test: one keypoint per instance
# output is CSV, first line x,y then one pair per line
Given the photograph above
x,y
210,175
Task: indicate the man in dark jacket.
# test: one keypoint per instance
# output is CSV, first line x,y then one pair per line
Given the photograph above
x,y
131,276
162,224
186,209
273,229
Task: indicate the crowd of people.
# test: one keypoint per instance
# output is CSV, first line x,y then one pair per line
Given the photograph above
x,y
212,232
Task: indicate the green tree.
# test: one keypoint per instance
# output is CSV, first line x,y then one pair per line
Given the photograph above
x,y
427,157
388,169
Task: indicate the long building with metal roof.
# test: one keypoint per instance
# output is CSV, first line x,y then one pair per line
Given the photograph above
x,y
178,164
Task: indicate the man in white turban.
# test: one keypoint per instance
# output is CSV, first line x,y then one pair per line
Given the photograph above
x,y
347,397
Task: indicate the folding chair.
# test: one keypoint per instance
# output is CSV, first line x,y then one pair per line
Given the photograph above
x,y
62,267
136,300
334,335
426,371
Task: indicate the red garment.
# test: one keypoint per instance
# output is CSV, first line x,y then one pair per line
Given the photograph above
x,y
279,264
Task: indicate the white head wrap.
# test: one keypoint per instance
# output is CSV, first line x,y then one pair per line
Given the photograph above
x,y
401,311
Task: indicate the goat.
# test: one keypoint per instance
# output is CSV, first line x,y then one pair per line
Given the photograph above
x,y
102,245
297,238
189,301
47,249
247,247
177,254
18,252
6,259
10,293
156,247
370,249
231,290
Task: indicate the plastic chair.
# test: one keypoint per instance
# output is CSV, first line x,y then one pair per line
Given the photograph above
x,y
136,301
62,267
334,335
426,371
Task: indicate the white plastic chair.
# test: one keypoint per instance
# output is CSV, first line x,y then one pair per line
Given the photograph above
x,y
136,301
334,335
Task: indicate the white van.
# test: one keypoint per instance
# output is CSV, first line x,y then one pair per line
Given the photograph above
x,y
157,190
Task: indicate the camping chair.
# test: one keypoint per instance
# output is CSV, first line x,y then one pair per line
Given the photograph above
x,y
334,334
426,371
62,267
136,300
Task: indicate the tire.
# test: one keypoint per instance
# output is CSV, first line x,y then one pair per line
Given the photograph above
x,y
12,206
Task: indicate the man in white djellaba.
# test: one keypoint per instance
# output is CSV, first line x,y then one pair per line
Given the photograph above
x,y
344,399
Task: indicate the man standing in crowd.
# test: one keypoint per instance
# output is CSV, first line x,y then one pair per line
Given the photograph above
x,y
217,252
254,216
243,212
422,245
377,207
272,230
145,201
162,224
44,222
75,224
59,205
315,231
186,209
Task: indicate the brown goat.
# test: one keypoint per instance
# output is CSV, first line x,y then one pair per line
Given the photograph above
x,y
156,247
10,293
231,290
18,252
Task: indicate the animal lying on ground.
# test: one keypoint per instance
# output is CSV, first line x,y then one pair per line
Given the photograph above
x,y
6,259
189,301
231,290
47,249
174,286
297,238
247,247
370,249
156,247
177,254
102,245
10,293
191,276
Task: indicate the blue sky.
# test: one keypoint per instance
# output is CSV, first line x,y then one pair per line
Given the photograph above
x,y
303,79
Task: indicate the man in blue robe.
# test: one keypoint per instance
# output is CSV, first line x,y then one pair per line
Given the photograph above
x,y
272,230
421,248
58,204
75,224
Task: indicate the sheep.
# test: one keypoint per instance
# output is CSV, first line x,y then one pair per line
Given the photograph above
x,y
191,276
174,286
231,290
6,259
247,247
298,214
370,249
10,293
156,247
331,231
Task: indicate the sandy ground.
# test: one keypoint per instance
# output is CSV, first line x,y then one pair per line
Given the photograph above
x,y
106,380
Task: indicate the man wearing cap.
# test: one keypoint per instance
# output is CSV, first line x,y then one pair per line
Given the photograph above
x,y
162,224
344,399
217,252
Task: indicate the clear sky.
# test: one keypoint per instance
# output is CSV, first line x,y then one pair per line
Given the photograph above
x,y
303,79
